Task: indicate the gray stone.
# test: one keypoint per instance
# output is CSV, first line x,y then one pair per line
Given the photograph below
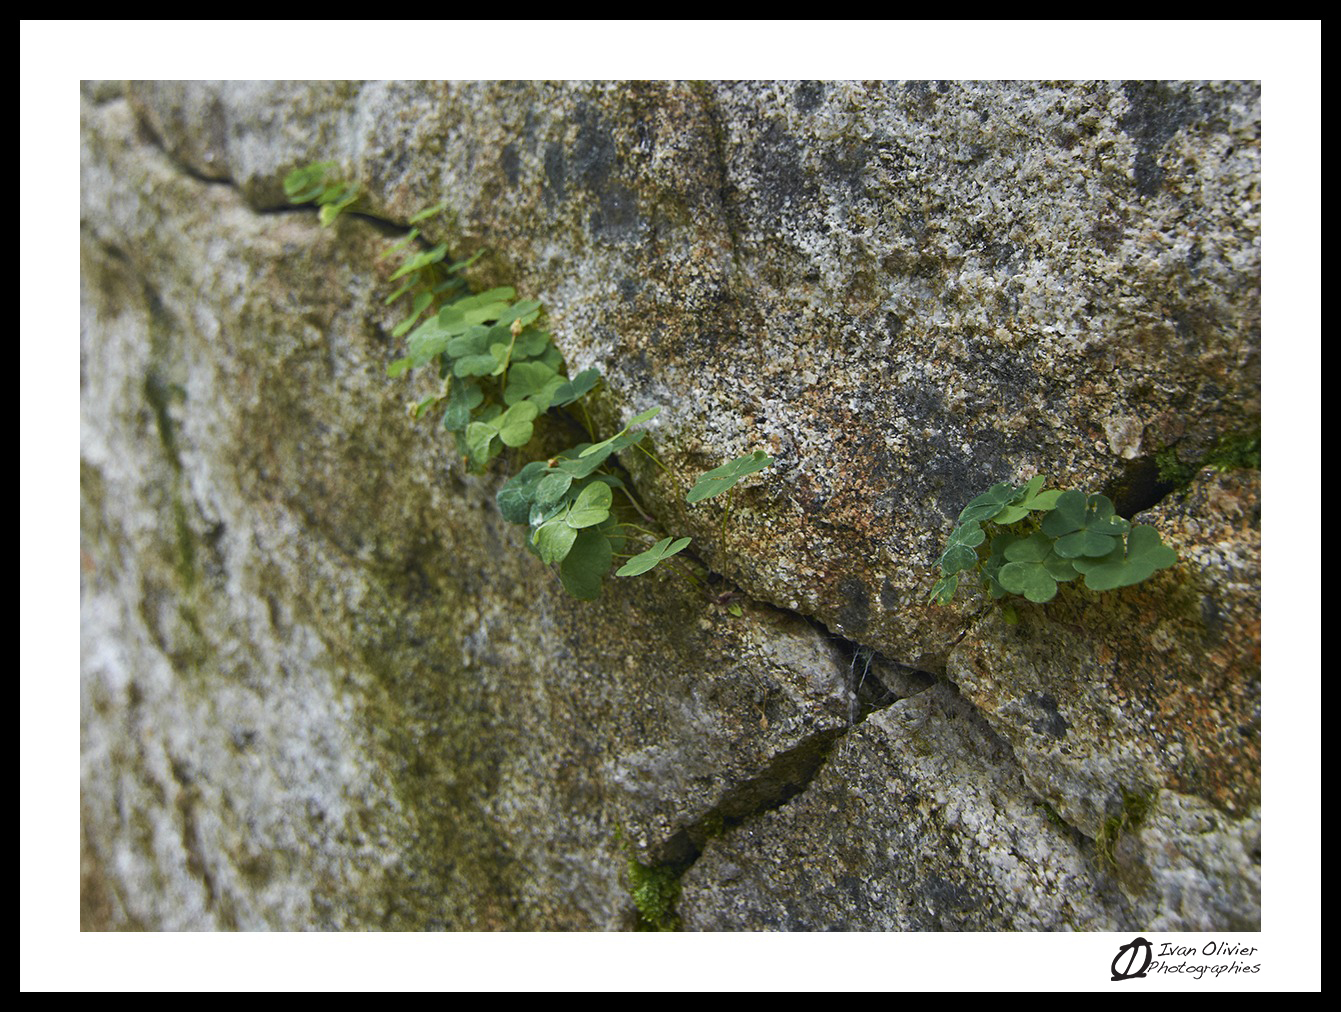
x,y
1157,685
919,822
905,292
325,686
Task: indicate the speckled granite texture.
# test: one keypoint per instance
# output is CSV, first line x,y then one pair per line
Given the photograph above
x,y
324,686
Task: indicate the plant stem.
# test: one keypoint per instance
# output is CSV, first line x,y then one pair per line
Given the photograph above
x,y
634,502
679,568
726,516
652,456
640,530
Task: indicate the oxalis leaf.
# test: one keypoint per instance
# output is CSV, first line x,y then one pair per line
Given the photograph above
x,y
1085,527
532,381
1031,498
419,261
1072,534
579,464
515,424
1033,569
961,553
480,437
586,563
1029,580
530,343
513,427
552,489
719,479
944,589
525,311
428,212
515,498
475,309
421,302
1144,555
554,539
649,559
300,183
576,387
465,398
426,341
988,504
475,340
592,506
623,437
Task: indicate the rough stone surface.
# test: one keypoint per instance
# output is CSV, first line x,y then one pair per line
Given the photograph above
x,y
906,292
1157,685
919,822
324,686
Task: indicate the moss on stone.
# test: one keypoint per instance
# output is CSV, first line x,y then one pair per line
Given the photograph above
x,y
1233,451
655,890
1053,817
1135,809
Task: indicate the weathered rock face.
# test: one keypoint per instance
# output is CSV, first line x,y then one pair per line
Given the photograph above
x,y
325,686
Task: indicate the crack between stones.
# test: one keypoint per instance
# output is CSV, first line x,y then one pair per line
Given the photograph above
x,y
1077,836
874,682
191,172
186,168
200,177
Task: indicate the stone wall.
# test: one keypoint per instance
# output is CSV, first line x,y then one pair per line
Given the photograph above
x,y
324,686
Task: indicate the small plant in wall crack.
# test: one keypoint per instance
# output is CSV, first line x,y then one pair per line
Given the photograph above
x,y
498,373
320,184
712,483
1035,539
724,478
649,559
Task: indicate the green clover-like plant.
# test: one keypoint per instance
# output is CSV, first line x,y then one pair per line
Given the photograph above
x,y
621,439
719,479
655,555
1036,539
1033,568
1145,554
498,374
987,505
1084,527
962,552
576,388
591,506
513,427
319,184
